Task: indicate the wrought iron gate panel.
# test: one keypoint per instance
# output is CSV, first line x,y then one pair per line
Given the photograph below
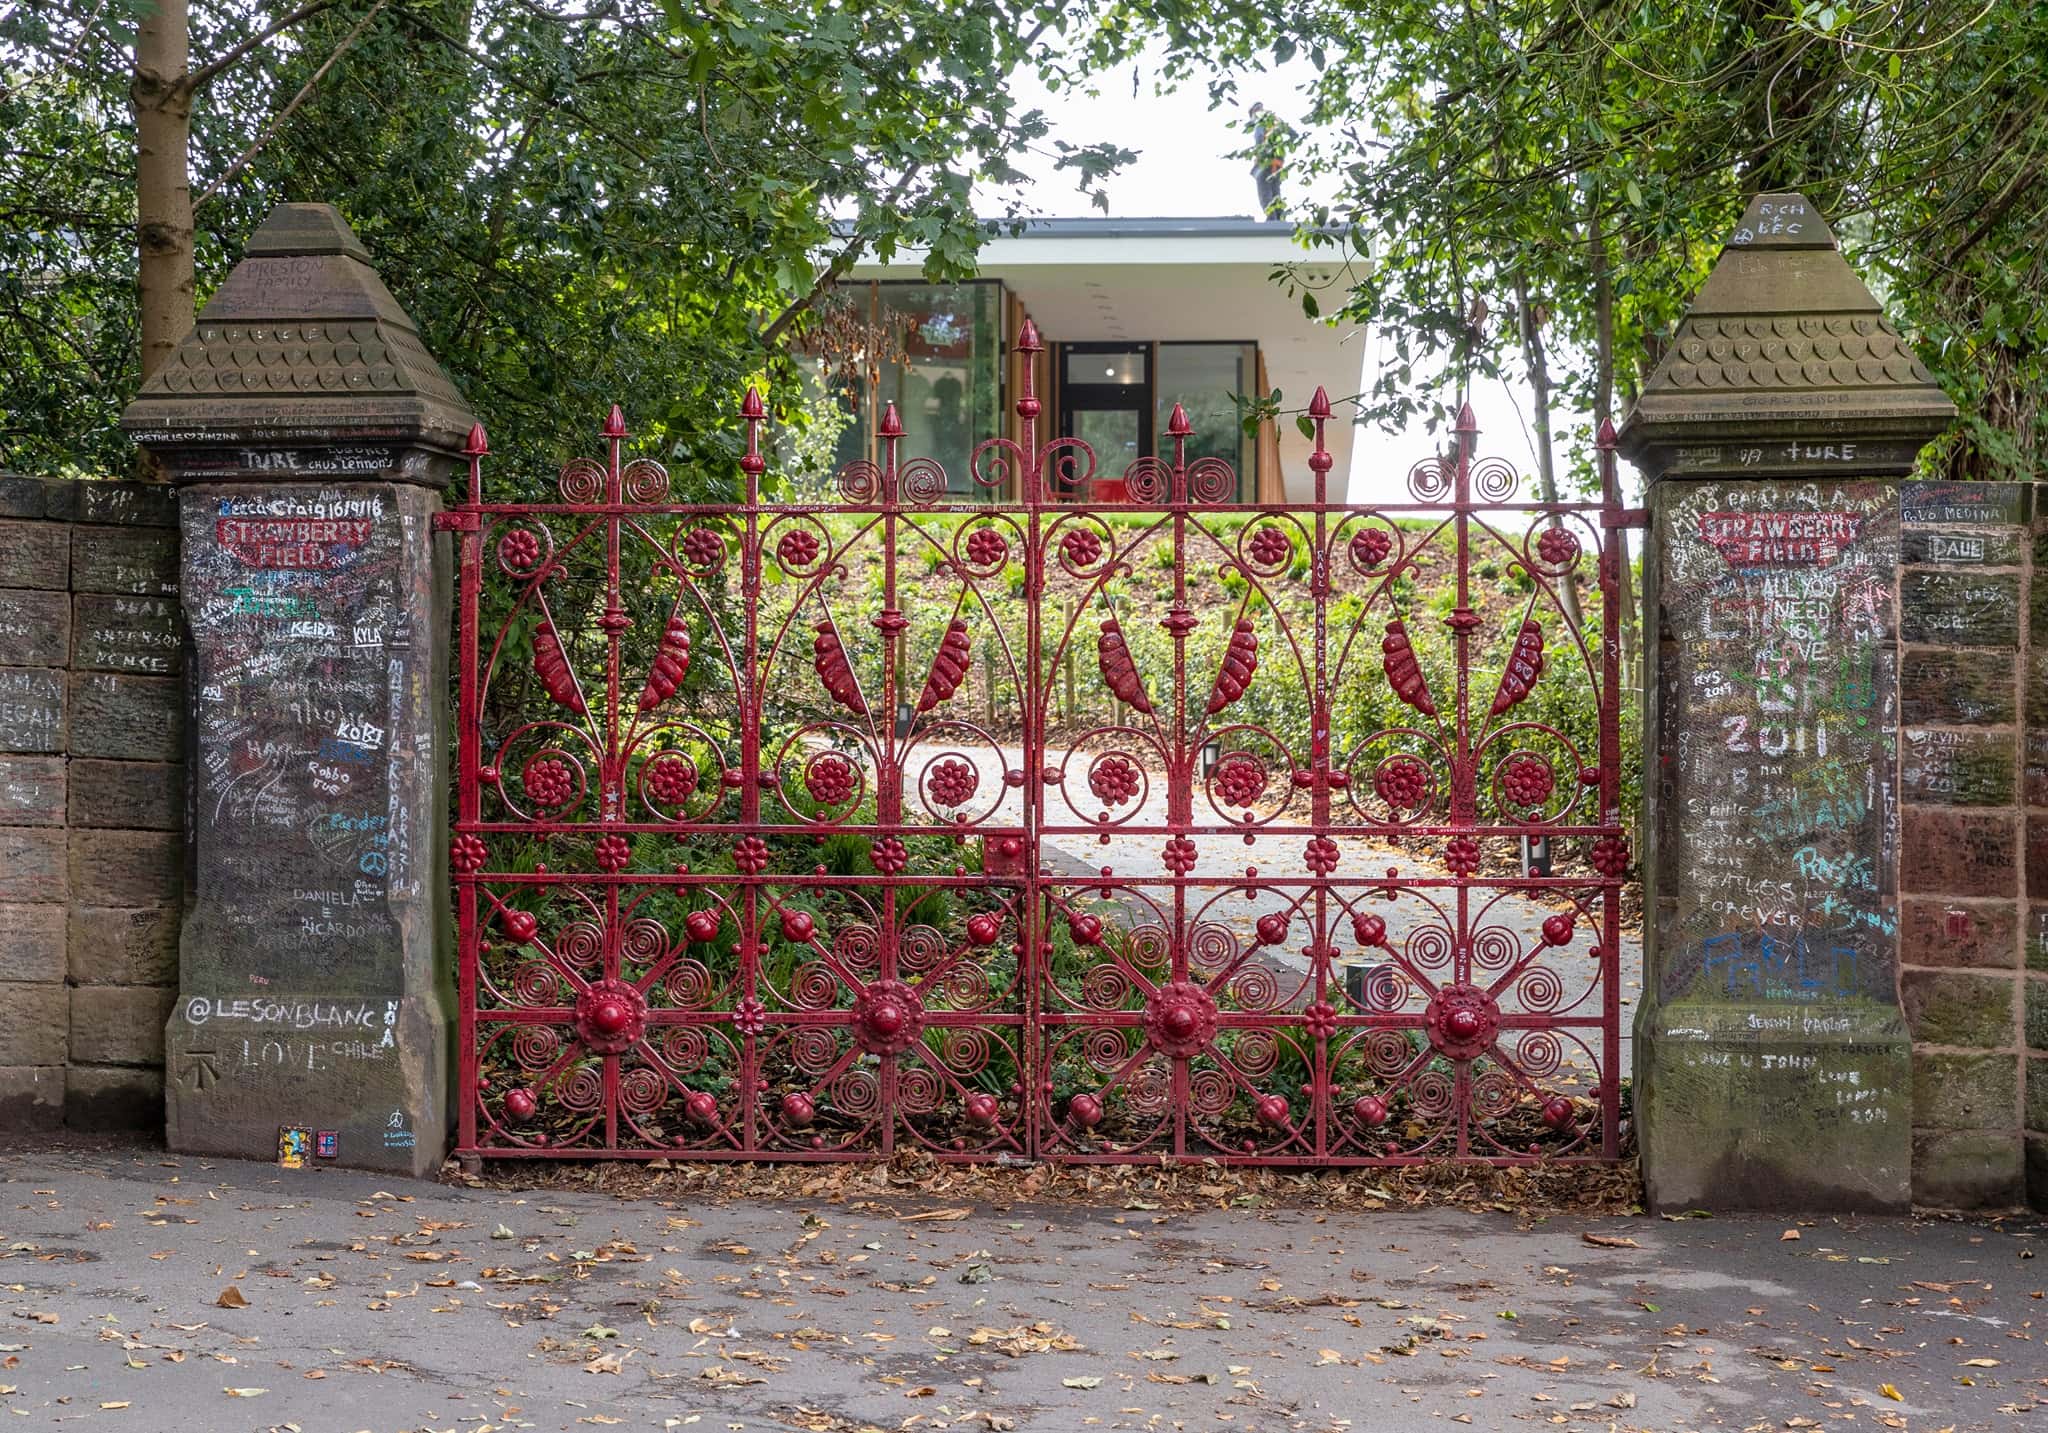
x,y
1109,819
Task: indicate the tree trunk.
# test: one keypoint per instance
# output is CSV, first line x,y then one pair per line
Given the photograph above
x,y
1538,364
1603,410
161,94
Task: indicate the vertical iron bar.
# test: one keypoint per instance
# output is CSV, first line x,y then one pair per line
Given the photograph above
x,y
1323,948
1612,561
750,693
1034,962
1464,779
469,799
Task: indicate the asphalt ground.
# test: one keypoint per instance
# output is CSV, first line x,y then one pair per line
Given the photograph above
x,y
865,1300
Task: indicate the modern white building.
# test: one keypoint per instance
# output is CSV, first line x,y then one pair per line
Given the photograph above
x,y
1136,315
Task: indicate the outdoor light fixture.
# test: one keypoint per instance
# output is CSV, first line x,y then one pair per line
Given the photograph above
x,y
905,715
1212,752
1536,855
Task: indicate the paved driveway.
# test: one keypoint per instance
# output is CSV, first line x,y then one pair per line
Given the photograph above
x,y
385,1305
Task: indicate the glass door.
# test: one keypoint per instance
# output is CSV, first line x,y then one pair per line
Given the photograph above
x,y
1106,402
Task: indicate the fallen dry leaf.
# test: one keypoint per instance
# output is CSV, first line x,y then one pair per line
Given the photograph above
x,y
1787,1235
1610,1241
945,1215
232,1297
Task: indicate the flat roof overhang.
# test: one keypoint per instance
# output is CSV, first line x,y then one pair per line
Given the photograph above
x,y
1182,280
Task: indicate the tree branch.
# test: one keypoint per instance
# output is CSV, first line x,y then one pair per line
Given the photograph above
x,y
841,262
196,80
270,130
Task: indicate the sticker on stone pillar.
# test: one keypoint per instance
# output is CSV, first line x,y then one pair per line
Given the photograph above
x,y
293,1143
398,1131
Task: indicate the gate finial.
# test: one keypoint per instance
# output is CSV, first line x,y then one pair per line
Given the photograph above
x,y
752,412
1319,461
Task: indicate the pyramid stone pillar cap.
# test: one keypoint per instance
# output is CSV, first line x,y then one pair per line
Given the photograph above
x,y
1784,366
302,365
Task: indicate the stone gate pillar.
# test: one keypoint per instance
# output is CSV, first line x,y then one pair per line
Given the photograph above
x,y
310,434
1772,1063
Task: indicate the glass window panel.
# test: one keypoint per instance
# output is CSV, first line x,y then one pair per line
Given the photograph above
x,y
936,352
947,380
1206,379
1122,366
1112,433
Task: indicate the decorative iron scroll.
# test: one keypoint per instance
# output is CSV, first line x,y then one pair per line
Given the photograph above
x,y
1018,822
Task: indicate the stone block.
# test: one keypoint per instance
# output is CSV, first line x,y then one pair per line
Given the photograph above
x,y
32,791
1968,1169
32,866
128,504
1941,685
33,709
140,561
1984,547
131,718
2037,850
2035,790
123,947
2034,1104
2036,705
36,554
37,1026
1942,766
2037,1171
136,795
35,627
113,632
126,868
1960,609
1953,1091
2036,1025
31,1097
1787,1106
1958,853
100,1097
1955,1007
315,877
1959,933
21,496
1950,506
119,1024
31,945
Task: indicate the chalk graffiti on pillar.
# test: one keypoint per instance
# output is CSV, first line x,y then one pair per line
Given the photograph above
x,y
1788,966
1780,539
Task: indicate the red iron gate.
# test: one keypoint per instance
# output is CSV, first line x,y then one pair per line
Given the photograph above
x,y
1013,822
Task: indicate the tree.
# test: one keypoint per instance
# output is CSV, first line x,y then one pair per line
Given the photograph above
x,y
577,204
1576,164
